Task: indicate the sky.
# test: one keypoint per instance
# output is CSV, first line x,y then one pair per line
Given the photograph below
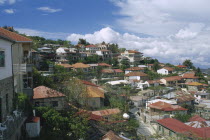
x,y
170,31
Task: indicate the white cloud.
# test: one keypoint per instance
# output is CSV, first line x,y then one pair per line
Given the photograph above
x,y
49,35
173,49
9,11
7,1
48,9
161,17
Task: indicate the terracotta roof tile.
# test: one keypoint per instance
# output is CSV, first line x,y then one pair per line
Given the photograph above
x,y
182,128
45,92
111,136
181,66
134,68
104,64
106,112
136,74
88,83
172,78
196,118
118,70
80,65
166,106
190,75
90,46
133,51
168,68
13,36
94,92
65,65
107,71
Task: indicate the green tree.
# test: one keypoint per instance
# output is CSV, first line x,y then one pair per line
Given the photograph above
x,y
83,41
188,63
156,66
182,117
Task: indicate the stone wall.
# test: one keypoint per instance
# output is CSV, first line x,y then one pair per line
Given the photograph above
x,y
6,97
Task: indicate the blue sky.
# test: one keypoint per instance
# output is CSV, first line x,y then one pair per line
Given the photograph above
x,y
80,16
171,31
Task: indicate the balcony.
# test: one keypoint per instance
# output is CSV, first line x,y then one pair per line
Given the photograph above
x,y
12,125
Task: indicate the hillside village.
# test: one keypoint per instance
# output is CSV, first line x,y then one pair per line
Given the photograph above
x,y
56,90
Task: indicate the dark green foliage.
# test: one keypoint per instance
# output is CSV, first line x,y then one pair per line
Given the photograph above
x,y
66,125
189,64
182,117
156,66
23,103
148,60
124,64
83,42
114,48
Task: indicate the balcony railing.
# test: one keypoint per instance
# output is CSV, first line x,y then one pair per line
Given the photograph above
x,y
11,125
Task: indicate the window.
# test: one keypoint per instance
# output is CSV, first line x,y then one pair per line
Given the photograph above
x,y
2,58
54,103
37,104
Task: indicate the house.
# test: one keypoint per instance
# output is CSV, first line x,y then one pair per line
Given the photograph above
x,y
173,128
203,109
81,66
91,48
136,76
107,113
198,122
165,71
138,101
161,108
194,86
111,136
154,83
95,97
62,55
44,96
118,72
15,77
171,81
134,69
190,77
104,65
95,94
132,55
184,98
45,50
202,95
181,66
150,66
104,54
107,73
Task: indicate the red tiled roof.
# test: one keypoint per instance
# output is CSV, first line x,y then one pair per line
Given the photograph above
x,y
196,118
45,92
106,112
182,128
168,68
90,46
134,68
172,78
88,83
104,64
190,75
136,74
181,66
13,36
166,106
133,51
153,81
118,70
107,71
80,65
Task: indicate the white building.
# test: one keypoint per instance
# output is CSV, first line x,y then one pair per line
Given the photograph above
x,y
165,71
132,55
15,77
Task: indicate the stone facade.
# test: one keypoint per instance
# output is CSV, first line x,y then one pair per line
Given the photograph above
x,y
6,97
57,103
